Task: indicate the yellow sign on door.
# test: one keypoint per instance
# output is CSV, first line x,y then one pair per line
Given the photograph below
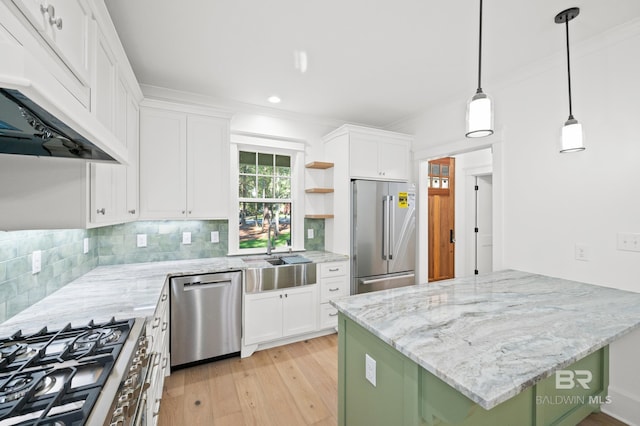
x,y
403,200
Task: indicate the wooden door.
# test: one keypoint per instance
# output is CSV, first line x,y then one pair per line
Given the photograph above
x,y
441,219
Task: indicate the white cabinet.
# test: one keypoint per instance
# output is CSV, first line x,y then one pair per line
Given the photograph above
x,y
273,315
184,169
378,157
65,26
334,282
103,101
158,335
114,187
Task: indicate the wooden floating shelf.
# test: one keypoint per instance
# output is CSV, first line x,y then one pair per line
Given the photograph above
x,y
318,190
319,165
318,216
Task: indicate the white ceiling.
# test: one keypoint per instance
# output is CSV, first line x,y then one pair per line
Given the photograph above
x,y
371,62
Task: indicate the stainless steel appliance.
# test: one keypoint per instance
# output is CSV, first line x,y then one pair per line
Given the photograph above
x,y
206,317
383,237
93,375
28,129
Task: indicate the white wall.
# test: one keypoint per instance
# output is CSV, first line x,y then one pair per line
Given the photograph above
x,y
552,201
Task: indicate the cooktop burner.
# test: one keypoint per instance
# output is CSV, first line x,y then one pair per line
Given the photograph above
x,y
55,377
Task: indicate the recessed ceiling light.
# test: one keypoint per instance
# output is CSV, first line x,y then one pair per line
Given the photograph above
x,y
274,99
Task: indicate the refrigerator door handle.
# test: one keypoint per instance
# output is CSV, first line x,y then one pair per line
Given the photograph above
x,y
391,225
385,227
377,280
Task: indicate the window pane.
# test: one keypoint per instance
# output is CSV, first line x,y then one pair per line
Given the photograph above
x,y
283,188
265,164
265,187
283,165
247,162
247,187
254,224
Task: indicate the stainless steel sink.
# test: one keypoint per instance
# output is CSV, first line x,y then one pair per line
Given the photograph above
x,y
281,275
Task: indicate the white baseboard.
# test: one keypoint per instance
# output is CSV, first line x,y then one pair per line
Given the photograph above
x,y
623,406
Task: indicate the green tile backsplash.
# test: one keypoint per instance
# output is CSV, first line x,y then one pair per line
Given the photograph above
x,y
63,259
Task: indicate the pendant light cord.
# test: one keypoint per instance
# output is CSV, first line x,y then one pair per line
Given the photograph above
x,y
569,69
480,51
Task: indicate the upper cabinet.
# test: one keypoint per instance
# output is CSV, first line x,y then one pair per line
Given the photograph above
x,y
375,154
65,55
184,167
65,26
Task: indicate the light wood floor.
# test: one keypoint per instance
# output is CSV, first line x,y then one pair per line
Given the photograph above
x,y
293,385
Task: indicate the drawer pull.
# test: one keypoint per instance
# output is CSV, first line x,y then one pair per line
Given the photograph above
x,y
164,297
156,322
334,269
334,289
335,314
165,361
165,325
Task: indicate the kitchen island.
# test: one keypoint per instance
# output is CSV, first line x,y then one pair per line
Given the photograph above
x,y
479,350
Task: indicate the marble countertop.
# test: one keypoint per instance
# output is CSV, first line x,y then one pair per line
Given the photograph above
x,y
122,291
492,336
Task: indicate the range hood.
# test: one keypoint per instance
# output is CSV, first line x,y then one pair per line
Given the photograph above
x,y
28,129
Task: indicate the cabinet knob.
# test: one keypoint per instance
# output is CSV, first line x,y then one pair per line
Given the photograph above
x,y
132,211
189,211
183,211
52,15
101,211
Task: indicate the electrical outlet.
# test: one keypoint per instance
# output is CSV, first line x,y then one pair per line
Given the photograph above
x,y
186,238
370,369
141,240
582,252
628,242
85,246
36,261
215,237
310,233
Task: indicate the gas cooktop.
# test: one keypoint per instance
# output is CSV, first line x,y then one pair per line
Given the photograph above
x,y
56,377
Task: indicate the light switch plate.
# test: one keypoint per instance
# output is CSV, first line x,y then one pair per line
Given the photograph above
x,y
85,246
141,240
215,237
310,233
370,369
582,252
186,237
36,261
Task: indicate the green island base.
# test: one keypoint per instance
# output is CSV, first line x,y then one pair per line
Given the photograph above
x,y
407,394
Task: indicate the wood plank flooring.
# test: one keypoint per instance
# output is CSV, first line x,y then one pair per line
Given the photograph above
x,y
292,385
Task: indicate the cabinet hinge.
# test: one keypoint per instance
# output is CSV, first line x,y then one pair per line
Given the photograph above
x,y
476,187
475,229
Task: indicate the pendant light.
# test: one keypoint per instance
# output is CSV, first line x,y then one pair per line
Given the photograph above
x,y
572,130
479,109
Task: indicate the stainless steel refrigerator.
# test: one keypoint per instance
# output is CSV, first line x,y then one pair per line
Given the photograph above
x,y
383,227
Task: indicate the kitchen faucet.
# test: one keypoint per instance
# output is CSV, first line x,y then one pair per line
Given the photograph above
x,y
269,239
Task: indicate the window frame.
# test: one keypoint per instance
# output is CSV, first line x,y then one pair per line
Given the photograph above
x,y
262,144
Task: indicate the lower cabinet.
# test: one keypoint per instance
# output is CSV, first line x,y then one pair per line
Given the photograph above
x,y
158,333
276,314
334,282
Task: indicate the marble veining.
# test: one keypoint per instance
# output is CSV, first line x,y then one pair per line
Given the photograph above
x,y
120,291
492,336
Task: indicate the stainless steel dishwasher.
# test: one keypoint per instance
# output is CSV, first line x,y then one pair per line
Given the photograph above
x,y
206,317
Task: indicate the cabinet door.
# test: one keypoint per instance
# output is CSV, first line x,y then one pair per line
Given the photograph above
x,y
393,160
104,84
132,169
363,157
71,40
162,164
207,167
262,317
299,312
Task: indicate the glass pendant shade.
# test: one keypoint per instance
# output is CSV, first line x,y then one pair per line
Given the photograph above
x,y
572,136
479,116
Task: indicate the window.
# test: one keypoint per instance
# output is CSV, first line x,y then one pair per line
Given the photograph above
x,y
265,200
